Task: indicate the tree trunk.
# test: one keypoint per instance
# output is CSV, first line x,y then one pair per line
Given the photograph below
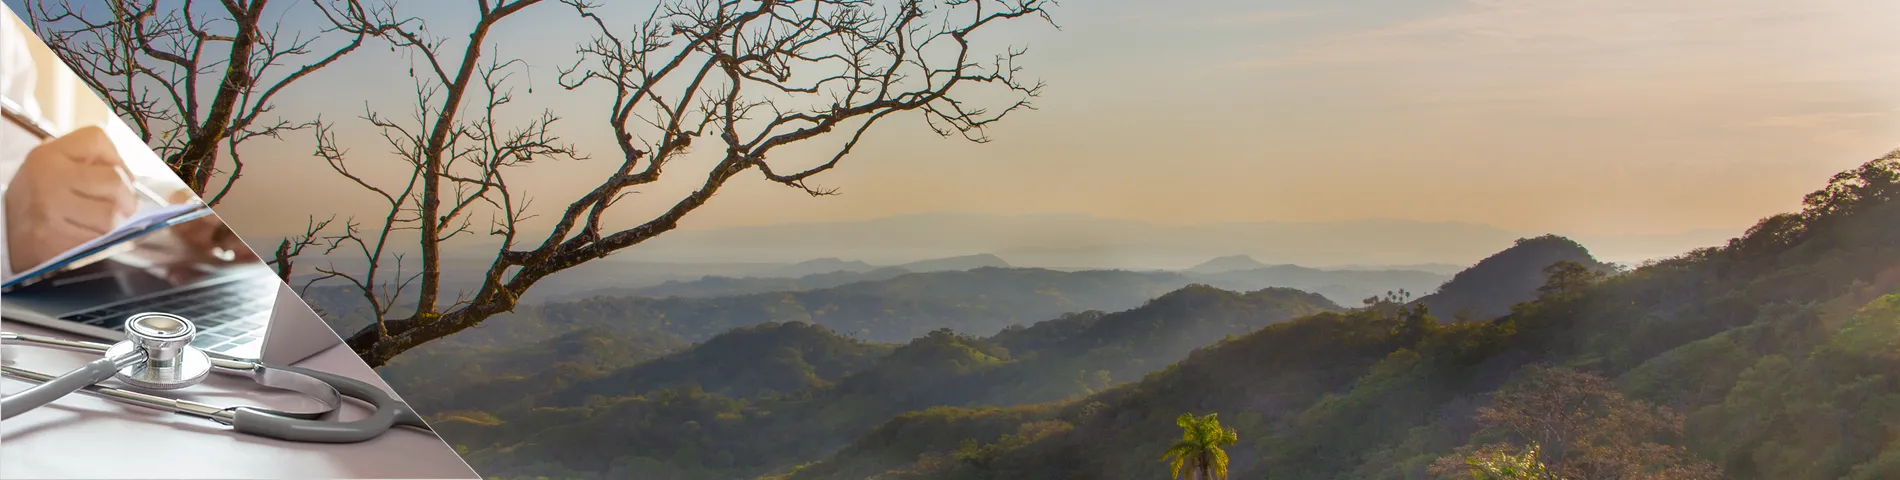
x,y
198,159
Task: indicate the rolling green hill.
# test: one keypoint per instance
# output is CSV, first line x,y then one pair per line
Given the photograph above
x,y
756,361
1123,346
445,378
1284,365
1489,289
740,429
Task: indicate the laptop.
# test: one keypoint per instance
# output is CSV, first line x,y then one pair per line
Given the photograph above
x,y
242,311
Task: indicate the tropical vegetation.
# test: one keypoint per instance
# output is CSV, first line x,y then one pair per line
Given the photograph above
x,y
1772,356
1199,455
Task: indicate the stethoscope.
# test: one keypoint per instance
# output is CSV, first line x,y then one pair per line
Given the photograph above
x,y
157,356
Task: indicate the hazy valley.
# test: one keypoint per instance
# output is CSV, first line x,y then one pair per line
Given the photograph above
x,y
973,367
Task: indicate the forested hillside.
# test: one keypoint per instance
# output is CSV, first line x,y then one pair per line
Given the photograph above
x,y
762,398
1489,289
760,361
1771,357
433,379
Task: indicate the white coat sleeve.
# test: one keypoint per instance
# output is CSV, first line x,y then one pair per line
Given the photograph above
x,y
18,76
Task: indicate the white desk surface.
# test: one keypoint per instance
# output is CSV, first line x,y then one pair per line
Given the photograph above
x,y
84,436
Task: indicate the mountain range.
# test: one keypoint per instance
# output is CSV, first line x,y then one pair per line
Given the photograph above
x,y
772,394
1342,286
1054,241
1081,241
1767,356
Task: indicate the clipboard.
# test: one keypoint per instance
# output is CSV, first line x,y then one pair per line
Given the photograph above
x,y
101,248
143,223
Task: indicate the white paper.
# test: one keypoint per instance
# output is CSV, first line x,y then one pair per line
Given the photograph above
x,y
141,223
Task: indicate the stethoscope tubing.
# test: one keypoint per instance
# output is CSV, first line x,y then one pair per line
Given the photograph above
x,y
325,394
51,389
307,427
173,405
388,413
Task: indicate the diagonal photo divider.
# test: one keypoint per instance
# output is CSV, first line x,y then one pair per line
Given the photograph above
x,y
134,312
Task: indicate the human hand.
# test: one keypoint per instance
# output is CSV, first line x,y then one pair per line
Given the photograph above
x,y
67,191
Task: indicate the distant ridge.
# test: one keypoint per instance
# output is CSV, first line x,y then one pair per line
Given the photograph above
x,y
1228,263
1074,241
959,263
821,265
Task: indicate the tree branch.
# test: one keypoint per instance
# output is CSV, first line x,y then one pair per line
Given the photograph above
x,y
750,76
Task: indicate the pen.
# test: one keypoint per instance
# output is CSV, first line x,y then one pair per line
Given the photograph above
x,y
18,116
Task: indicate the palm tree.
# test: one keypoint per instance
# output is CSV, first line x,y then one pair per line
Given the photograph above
x,y
1200,448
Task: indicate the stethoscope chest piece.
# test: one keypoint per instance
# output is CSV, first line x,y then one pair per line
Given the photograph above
x,y
169,361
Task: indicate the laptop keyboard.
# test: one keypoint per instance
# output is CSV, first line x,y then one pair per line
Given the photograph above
x,y
229,315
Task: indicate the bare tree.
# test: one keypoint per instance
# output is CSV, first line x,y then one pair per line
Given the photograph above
x,y
751,76
197,84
